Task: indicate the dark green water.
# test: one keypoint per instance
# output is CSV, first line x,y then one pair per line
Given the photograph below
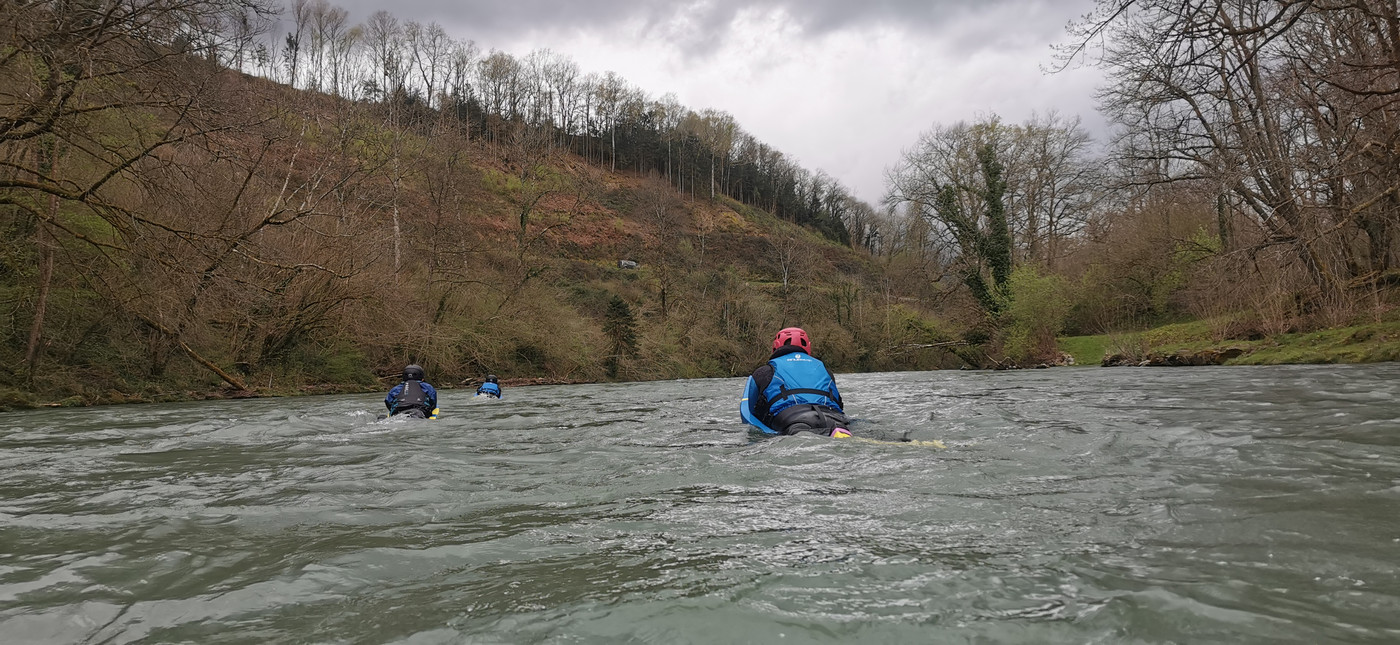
x,y
1196,505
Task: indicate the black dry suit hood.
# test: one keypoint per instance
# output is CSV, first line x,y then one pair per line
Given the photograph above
x,y
785,350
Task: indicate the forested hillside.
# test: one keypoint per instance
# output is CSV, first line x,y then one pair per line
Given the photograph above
x,y
175,226
242,196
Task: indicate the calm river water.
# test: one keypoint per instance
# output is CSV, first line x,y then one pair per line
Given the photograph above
x,y
1154,505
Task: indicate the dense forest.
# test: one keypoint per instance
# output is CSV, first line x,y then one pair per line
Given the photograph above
x,y
237,194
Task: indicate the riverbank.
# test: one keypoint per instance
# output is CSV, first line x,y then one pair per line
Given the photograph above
x,y
1176,344
11,399
1200,342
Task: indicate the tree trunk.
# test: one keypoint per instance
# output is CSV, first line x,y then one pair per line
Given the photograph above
x,y
189,351
36,328
48,161
398,260
1222,221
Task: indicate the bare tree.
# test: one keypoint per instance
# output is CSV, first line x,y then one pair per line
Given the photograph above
x,y
294,47
610,93
1057,184
663,211
459,78
498,81
562,79
430,49
1343,58
1199,93
341,41
71,66
384,40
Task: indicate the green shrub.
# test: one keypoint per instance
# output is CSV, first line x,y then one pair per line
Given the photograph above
x,y
1096,305
1033,313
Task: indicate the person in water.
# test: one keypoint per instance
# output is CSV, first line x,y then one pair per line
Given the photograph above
x,y
491,387
412,397
794,392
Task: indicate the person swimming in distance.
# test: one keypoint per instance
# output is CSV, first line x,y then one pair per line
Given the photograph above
x,y
490,388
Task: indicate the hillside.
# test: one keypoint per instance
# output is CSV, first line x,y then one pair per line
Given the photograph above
x,y
297,242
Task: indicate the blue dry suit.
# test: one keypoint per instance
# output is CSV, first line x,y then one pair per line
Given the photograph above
x,y
412,395
492,390
792,392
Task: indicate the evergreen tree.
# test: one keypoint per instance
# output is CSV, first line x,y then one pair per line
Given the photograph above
x,y
621,329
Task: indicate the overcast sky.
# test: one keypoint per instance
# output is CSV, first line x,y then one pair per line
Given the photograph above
x,y
840,85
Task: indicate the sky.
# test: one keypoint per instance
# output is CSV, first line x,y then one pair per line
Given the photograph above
x,y
843,86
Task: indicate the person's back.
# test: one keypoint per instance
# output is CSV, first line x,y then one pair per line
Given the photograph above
x,y
794,391
412,397
490,388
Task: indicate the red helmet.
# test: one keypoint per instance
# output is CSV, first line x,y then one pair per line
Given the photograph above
x,y
793,336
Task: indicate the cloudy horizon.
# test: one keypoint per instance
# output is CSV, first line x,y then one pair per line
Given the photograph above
x,y
839,88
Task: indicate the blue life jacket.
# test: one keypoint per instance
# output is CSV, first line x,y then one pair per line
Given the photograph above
x,y
799,378
491,389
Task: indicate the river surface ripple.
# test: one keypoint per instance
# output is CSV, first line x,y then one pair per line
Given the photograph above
x,y
1193,505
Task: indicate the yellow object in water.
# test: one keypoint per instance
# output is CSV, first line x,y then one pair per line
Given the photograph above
x,y
840,433
433,414
934,443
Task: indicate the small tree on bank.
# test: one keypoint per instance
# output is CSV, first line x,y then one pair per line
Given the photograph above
x,y
1033,313
620,326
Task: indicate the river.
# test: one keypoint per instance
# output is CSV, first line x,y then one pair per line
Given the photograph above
x,y
1071,505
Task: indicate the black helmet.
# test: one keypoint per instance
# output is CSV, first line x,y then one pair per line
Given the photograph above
x,y
413,373
491,378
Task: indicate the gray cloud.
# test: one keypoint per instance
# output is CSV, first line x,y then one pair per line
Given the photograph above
x,y
696,22
833,62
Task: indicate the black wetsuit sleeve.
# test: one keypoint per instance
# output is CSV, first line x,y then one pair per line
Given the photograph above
x,y
758,404
834,390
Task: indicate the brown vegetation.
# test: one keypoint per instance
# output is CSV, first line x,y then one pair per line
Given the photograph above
x,y
174,225
1280,118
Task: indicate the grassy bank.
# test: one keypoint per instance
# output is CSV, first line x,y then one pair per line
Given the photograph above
x,y
1366,343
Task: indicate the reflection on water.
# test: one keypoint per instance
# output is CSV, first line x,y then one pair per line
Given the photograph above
x,y
1072,505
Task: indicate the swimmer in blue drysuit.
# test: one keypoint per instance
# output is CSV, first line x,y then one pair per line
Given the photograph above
x,y
491,387
412,397
793,392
